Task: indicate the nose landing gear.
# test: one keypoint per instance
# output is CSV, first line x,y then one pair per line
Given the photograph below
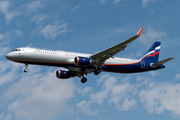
x,y
26,69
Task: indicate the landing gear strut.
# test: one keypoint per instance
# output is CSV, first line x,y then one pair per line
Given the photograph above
x,y
97,71
84,79
26,69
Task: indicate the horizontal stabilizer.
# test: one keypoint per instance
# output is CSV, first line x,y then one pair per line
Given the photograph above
x,y
161,62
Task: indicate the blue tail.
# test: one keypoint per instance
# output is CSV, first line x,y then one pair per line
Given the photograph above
x,y
152,55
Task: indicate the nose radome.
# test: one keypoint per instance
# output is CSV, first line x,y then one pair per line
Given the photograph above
x,y
9,56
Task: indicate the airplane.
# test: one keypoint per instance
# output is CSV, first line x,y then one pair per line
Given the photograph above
x,y
80,64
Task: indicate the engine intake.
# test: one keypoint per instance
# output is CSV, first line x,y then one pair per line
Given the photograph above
x,y
82,61
63,74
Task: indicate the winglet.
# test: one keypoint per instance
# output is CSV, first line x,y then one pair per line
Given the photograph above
x,y
139,32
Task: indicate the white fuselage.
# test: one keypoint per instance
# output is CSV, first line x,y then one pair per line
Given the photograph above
x,y
56,58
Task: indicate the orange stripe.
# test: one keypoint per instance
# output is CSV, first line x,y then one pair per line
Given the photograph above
x,y
59,73
78,60
124,64
73,63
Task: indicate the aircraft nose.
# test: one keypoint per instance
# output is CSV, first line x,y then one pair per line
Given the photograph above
x,y
9,56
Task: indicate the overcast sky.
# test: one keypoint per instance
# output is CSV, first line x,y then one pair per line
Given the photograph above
x,y
89,26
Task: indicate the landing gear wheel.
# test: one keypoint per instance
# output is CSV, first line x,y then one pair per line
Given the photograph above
x,y
97,71
83,80
25,70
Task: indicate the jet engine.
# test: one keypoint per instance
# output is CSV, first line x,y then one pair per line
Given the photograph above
x,y
63,74
82,61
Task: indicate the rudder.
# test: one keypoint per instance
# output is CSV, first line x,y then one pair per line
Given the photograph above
x,y
152,55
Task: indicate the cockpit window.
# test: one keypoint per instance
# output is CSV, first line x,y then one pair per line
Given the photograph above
x,y
16,50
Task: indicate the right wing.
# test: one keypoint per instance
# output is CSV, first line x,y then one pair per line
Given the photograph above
x,y
99,58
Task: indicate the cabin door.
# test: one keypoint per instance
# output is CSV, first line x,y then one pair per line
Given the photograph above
x,y
142,64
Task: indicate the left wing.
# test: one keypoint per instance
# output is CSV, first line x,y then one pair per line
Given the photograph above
x,y
99,58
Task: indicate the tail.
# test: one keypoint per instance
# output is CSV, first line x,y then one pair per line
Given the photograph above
x,y
152,55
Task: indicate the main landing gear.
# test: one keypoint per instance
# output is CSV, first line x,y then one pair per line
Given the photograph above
x,y
84,79
26,69
97,71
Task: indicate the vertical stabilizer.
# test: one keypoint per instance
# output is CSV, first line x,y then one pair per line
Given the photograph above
x,y
152,55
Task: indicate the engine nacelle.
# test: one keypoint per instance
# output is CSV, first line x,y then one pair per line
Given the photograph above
x,y
63,74
82,61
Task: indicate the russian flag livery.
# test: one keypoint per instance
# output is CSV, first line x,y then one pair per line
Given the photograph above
x,y
152,55
81,64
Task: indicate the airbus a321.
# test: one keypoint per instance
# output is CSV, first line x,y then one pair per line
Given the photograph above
x,y
80,64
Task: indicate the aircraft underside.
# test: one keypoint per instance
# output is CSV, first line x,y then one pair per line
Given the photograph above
x,y
133,68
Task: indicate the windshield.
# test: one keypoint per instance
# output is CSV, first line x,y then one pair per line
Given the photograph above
x,y
16,50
